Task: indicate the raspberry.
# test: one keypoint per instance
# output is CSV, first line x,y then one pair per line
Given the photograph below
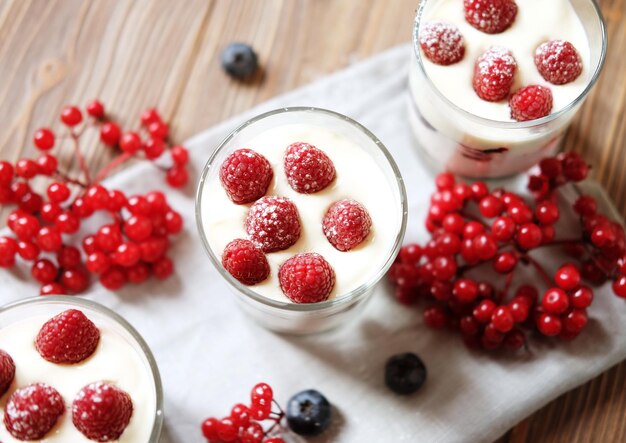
x,y
308,169
306,278
273,223
493,74
558,62
7,372
32,411
245,262
442,43
530,103
490,16
69,337
245,176
101,412
346,224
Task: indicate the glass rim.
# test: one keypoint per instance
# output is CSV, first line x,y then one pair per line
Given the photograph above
x,y
311,307
107,312
508,124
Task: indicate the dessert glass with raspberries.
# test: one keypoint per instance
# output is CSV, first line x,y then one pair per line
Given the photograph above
x,y
495,83
73,370
302,211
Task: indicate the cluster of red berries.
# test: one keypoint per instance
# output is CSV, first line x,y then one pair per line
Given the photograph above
x,y
243,424
100,411
472,227
130,248
557,61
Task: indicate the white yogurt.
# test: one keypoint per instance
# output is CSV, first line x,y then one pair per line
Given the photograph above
x,y
115,361
537,21
358,177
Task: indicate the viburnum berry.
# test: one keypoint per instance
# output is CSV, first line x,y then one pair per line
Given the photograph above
x,y
130,142
490,16
58,192
138,273
442,43
163,268
110,133
558,62
549,324
113,278
71,116
47,164
153,148
530,103
177,177
158,129
149,116
180,155
44,139
308,169
95,109
494,72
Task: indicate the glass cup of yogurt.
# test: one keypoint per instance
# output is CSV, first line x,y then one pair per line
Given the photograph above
x,y
365,172
459,131
121,357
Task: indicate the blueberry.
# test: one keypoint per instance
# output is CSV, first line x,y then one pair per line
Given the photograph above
x,y
405,373
308,413
239,60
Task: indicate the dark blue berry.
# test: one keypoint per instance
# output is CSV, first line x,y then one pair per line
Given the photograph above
x,y
239,60
405,373
308,413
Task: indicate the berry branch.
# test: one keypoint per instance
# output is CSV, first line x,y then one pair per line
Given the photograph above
x,y
130,248
505,234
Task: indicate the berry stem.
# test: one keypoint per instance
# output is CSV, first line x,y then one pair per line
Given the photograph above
x,y
507,283
81,160
119,160
528,259
68,179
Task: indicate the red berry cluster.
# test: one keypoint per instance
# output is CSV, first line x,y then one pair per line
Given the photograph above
x,y
473,227
131,247
100,411
243,424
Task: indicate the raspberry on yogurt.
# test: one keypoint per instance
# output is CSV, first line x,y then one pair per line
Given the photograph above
x,y
246,262
494,72
558,62
273,223
7,372
346,224
490,16
245,175
101,411
306,278
31,412
530,103
308,169
442,43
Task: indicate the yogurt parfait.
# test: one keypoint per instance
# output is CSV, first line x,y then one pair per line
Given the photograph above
x,y
302,210
495,83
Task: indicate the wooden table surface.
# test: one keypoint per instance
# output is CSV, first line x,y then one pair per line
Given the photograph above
x,y
134,54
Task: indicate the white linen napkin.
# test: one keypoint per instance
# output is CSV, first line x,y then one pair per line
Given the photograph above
x,y
210,355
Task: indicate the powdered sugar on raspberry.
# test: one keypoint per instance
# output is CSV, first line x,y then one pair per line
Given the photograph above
x,y
273,223
32,411
442,43
490,16
308,169
494,73
558,62
346,224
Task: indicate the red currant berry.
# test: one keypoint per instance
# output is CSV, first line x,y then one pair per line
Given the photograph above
x,y
519,309
153,249
163,268
529,236
490,206
485,246
575,321
547,213
252,433
484,311
49,239
581,298
108,238
8,249
89,244
447,244
479,190
445,180
503,228
555,301
492,336
514,340
58,192
441,290
67,223
177,177
127,254
154,148
6,174
411,254
68,257
465,290
173,222
472,230
130,142
44,271
26,168
47,164
95,109
444,268
158,129
619,286
20,189
180,155
485,290
547,234
138,205
586,205
114,278
110,133
149,116
505,262
603,236
71,116
435,317
25,227
502,319
74,280
138,228
97,197
44,139
81,208
574,167
549,324
209,429
138,274
567,277
551,167
49,212
98,262
453,223
520,213
28,250
52,289
468,325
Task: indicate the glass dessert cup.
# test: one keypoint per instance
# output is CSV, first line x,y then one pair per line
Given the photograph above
x,y
284,316
452,138
50,306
